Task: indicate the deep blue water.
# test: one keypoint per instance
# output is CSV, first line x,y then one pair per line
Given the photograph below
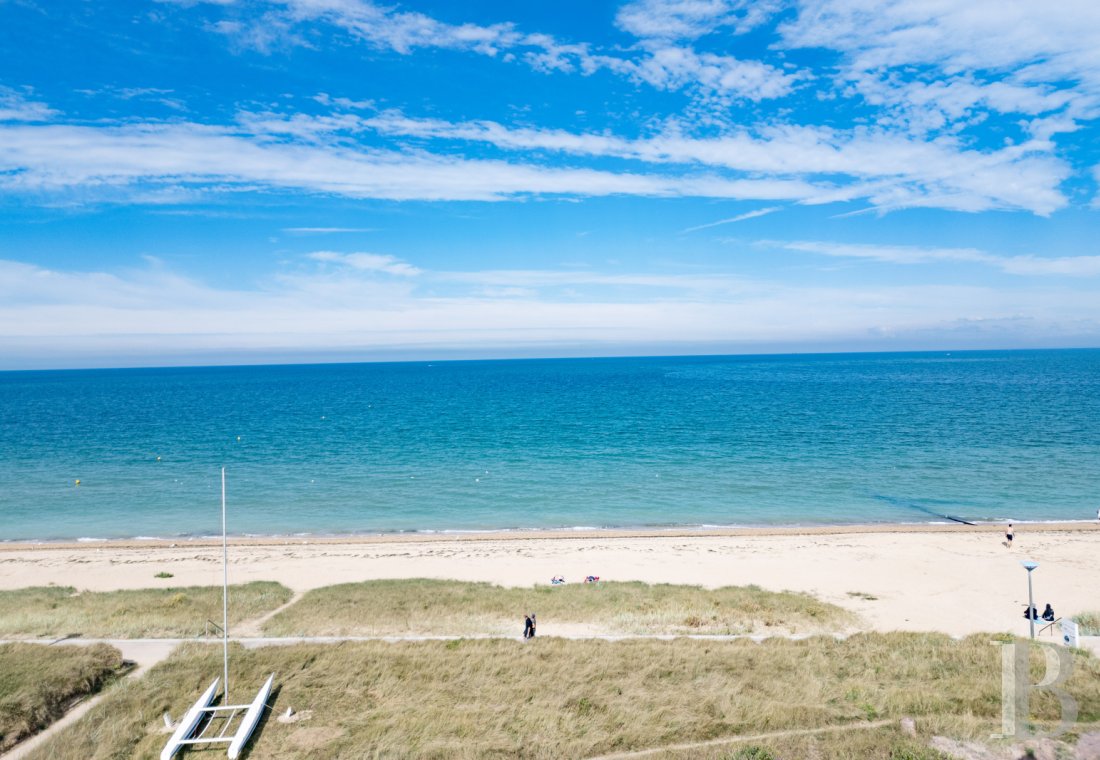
x,y
551,443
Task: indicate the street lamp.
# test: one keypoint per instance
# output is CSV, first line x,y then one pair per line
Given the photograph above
x,y
1029,566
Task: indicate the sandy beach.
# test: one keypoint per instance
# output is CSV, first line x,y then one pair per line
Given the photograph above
x,y
955,579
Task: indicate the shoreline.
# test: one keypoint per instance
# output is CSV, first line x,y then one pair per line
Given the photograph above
x,y
954,579
551,534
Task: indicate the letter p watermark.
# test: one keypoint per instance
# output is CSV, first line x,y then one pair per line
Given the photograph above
x,y
1016,690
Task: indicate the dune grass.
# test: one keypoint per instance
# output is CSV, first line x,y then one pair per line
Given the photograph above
x,y
63,611
391,607
1088,623
556,698
37,682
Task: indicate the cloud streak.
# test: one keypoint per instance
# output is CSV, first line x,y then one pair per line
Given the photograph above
x,y
739,218
1029,265
889,170
100,162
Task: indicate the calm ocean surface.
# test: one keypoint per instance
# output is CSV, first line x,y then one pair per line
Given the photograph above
x,y
333,449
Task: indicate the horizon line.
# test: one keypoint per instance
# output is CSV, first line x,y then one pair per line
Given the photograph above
x,y
565,357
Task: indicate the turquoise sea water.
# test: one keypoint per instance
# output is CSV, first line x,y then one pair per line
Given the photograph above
x,y
333,449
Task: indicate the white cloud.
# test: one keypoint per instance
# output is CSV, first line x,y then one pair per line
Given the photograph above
x,y
1029,265
890,170
663,65
168,162
937,61
689,19
15,106
367,262
104,161
708,75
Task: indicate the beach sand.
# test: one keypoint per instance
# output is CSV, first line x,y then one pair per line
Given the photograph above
x,y
954,579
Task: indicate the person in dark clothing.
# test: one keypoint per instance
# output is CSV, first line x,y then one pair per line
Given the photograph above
x,y
1048,614
1031,613
533,624
528,627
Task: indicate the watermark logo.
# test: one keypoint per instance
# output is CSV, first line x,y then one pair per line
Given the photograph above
x,y
1016,689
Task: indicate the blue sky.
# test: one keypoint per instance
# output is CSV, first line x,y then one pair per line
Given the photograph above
x,y
310,180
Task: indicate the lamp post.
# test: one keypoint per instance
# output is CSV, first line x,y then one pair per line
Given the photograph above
x,y
1029,566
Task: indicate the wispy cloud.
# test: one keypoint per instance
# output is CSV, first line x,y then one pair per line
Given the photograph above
x,y
17,106
368,262
660,62
1007,56
889,170
690,19
1029,265
102,162
738,218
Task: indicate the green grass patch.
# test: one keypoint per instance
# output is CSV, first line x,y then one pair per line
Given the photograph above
x,y
389,607
38,682
556,698
62,610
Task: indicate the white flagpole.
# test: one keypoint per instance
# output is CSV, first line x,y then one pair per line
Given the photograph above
x,y
225,597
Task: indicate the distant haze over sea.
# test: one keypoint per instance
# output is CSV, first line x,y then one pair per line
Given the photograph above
x,y
555,443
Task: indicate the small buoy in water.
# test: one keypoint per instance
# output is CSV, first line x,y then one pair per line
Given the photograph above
x,y
78,481
238,438
158,459
477,480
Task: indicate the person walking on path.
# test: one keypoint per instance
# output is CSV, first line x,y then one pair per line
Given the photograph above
x,y
528,627
533,624
1009,535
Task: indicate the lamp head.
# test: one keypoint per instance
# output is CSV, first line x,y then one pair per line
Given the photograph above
x,y
1029,565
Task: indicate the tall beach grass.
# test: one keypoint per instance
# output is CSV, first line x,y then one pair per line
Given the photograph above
x,y
391,607
37,682
63,611
557,698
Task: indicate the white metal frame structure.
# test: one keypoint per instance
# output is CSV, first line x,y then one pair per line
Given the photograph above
x,y
185,735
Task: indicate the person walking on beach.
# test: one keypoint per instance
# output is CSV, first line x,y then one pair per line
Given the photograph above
x,y
1009,535
528,627
533,623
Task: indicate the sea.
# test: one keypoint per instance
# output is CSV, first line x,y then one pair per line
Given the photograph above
x,y
455,446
